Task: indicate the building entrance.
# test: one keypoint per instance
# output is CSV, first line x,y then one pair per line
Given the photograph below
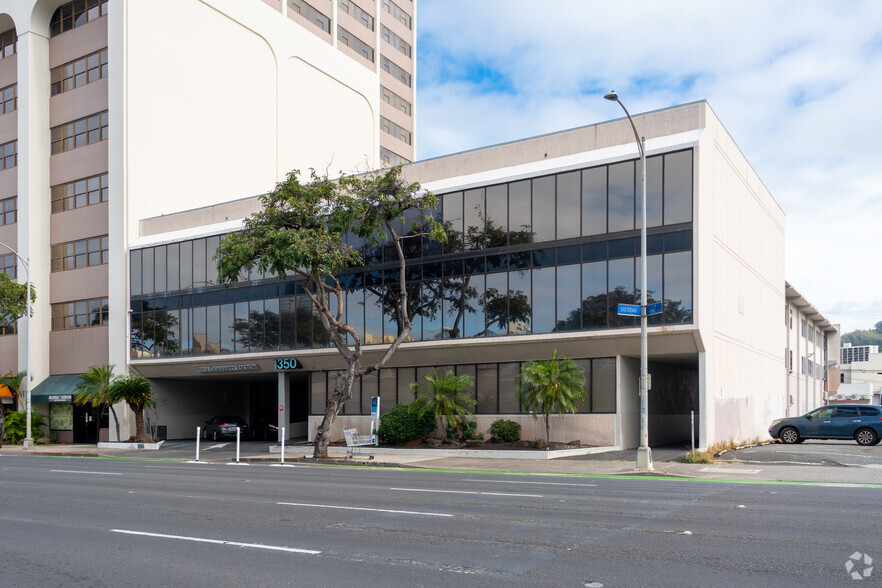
x,y
85,425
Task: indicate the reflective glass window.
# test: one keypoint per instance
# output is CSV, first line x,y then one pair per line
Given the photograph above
x,y
621,196
227,323
147,271
594,201
200,338
288,323
569,313
473,214
621,290
678,287
486,385
520,225
370,387
569,205
543,209
406,377
495,304
543,293
453,222
211,244
135,276
508,388
678,187
472,308
388,391
431,297
603,385
373,319
353,405
594,295
653,192
497,216
520,311
271,324
585,366
173,267
306,324
654,289
212,328
186,269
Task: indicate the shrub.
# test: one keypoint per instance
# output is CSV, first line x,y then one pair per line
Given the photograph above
x,y
503,431
469,432
15,425
405,422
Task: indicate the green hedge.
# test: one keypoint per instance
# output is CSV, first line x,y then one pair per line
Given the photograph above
x,y
405,422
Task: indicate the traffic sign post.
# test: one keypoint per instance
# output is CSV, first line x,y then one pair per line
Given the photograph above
x,y
652,309
375,419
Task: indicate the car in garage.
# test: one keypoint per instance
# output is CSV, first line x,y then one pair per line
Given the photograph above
x,y
861,422
224,426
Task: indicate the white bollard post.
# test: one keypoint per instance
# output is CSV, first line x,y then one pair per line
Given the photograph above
x,y
238,433
198,437
283,445
692,435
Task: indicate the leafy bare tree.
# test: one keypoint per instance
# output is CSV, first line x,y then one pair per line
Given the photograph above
x,y
301,229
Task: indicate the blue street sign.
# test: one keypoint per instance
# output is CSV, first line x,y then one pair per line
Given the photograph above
x,y
652,309
629,310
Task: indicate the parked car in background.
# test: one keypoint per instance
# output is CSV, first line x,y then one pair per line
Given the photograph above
x,y
266,428
224,426
861,422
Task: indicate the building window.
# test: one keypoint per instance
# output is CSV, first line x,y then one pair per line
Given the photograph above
x,y
396,41
8,42
396,101
78,73
357,13
395,130
76,14
308,12
391,158
80,314
396,71
77,254
8,155
79,133
398,13
80,193
8,210
8,99
355,44
8,265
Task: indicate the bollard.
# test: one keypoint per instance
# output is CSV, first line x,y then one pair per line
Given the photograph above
x,y
283,444
238,433
198,437
692,435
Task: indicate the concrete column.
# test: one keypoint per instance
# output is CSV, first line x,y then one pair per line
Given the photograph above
x,y
284,404
703,404
34,201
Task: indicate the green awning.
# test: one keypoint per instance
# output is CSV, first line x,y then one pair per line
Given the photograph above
x,y
56,389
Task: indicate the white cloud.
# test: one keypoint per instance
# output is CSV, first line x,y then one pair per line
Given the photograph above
x,y
796,84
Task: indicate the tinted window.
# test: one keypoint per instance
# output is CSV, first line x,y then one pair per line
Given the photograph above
x,y
869,411
846,411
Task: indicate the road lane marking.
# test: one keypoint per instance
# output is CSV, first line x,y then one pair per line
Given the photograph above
x,y
412,512
535,483
218,541
730,470
467,492
84,472
218,446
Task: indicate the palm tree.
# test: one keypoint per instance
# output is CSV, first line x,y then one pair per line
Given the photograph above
x,y
95,388
137,393
13,382
445,397
551,385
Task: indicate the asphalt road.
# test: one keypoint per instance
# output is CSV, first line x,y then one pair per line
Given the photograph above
x,y
100,522
811,452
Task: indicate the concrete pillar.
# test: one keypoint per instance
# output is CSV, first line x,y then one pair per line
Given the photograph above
x,y
284,404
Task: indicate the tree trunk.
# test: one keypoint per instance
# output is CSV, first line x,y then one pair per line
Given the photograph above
x,y
547,430
139,426
115,421
342,392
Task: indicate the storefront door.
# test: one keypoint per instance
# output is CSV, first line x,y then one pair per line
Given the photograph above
x,y
85,426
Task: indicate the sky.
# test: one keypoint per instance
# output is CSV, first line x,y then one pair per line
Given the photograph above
x,y
798,85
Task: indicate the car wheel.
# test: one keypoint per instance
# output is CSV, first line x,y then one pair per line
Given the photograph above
x,y
789,435
866,437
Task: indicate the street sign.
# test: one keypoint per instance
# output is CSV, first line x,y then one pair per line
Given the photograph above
x,y
652,309
629,310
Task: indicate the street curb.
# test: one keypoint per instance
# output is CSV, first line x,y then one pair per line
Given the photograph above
x,y
736,448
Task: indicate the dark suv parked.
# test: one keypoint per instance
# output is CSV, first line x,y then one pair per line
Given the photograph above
x,y
861,422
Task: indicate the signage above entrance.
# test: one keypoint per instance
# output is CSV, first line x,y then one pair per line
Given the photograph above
x,y
239,367
286,363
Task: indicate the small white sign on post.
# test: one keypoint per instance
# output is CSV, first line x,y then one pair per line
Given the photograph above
x,y
375,419
238,434
198,437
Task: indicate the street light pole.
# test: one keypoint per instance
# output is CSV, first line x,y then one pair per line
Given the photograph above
x,y
644,453
28,441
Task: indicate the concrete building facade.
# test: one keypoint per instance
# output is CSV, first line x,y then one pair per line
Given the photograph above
x,y
114,111
549,245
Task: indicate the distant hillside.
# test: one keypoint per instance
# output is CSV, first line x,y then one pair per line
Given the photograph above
x,y
859,337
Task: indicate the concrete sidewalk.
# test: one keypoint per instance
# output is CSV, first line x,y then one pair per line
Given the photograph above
x,y
585,465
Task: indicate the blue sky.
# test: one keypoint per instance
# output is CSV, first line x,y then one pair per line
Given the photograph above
x,y
797,85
